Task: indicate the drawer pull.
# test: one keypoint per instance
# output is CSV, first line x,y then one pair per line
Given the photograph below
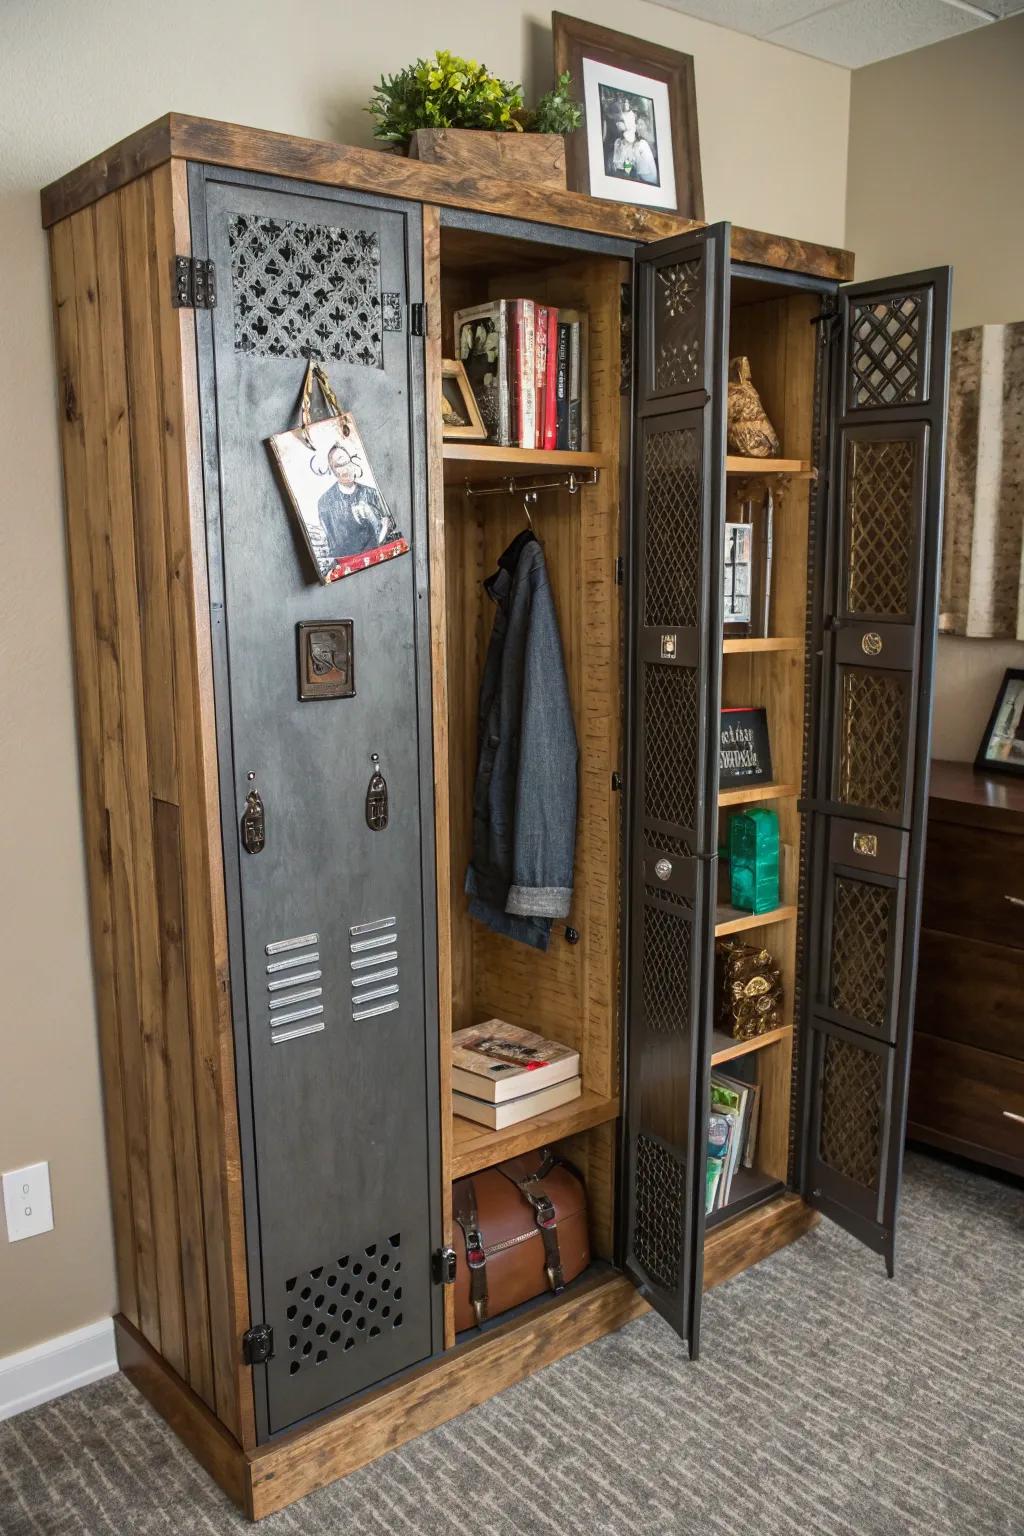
x,y
1015,901
1011,1116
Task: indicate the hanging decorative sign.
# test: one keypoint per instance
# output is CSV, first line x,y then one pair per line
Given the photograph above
x,y
344,518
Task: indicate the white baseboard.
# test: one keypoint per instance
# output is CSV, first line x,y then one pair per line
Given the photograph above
x,y
56,1366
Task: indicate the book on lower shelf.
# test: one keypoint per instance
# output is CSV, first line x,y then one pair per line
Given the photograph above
x,y
513,1111
498,1061
732,1134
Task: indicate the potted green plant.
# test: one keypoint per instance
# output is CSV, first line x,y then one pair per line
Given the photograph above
x,y
455,112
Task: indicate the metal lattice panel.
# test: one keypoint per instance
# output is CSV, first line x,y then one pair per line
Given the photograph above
x,y
861,916
887,353
872,731
678,325
672,481
345,1302
879,519
306,290
665,971
670,740
658,1223
850,1140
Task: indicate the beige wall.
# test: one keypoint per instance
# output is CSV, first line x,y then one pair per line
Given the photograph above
x,y
75,76
936,174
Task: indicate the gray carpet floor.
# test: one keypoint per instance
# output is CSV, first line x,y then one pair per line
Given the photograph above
x,y
828,1401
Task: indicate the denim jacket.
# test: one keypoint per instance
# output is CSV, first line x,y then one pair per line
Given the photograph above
x,y
524,802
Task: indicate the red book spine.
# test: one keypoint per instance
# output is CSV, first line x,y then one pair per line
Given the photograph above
x,y
540,371
550,383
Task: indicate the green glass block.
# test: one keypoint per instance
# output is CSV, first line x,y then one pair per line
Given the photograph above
x,y
754,860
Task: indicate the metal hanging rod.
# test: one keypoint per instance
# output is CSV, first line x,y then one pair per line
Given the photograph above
x,y
512,485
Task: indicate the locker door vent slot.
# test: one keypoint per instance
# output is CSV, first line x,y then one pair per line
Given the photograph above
x,y
343,1303
294,994
374,966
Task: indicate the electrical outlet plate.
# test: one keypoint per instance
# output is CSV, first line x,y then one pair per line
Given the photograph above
x,y
27,1202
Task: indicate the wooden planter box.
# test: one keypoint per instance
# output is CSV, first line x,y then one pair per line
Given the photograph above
x,y
538,158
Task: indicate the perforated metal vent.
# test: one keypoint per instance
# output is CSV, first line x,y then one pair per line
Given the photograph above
x,y
672,527
678,325
658,1223
665,971
343,1303
872,759
670,741
294,992
306,290
374,965
879,517
850,1140
860,949
887,359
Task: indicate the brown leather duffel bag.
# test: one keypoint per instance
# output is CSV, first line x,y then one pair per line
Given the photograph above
x,y
521,1229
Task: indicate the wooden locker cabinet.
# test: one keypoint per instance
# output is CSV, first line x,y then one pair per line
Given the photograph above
x,y
268,1183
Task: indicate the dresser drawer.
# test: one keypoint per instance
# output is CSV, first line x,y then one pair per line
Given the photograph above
x,y
971,992
969,1097
974,883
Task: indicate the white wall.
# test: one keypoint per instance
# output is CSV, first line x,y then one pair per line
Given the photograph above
x,y
936,174
75,76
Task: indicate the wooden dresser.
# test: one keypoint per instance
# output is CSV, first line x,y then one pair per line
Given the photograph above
x,y
967,1075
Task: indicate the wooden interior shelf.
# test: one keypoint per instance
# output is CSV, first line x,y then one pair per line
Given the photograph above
x,y
750,1186
489,458
732,920
475,1146
725,1048
735,465
750,794
739,645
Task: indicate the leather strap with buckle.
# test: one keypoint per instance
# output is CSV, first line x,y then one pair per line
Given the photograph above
x,y
529,1186
476,1257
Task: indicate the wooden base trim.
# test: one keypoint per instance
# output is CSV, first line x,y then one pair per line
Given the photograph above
x,y
275,1475
310,1458
736,1245
204,1435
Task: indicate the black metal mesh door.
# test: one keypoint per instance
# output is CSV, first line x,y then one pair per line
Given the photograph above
x,y
674,642
876,620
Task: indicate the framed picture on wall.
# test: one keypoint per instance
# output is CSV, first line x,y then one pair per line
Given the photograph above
x,y
1002,746
638,142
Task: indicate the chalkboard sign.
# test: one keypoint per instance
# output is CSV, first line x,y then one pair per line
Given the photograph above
x,y
744,752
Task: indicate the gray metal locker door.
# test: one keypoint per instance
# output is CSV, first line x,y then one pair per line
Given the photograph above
x,y
333,964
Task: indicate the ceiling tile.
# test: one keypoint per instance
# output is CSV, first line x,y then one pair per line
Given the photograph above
x,y
861,32
754,16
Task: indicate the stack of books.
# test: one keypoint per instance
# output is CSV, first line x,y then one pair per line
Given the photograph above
x,y
502,1074
735,1109
528,365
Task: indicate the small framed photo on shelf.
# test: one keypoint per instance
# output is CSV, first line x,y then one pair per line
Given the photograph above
x,y
744,752
638,143
1002,746
460,414
747,595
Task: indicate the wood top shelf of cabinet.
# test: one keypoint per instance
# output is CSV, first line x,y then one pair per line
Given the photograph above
x,y
476,1146
737,465
750,794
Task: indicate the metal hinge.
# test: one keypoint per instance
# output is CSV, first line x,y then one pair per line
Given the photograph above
x,y
620,570
444,1266
616,782
195,283
258,1344
417,319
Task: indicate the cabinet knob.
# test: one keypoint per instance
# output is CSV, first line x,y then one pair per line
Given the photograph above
x,y
1015,901
1009,1114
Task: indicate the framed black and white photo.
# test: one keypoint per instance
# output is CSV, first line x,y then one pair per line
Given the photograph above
x,y
745,753
1002,746
638,143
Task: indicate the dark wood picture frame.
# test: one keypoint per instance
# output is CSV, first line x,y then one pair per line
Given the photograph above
x,y
575,40
993,764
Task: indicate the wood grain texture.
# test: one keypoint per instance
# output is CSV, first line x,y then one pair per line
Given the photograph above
x,y
537,158
468,1375
184,1411
136,531
736,1245
177,135
958,792
969,1101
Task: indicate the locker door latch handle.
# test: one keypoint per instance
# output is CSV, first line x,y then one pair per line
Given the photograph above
x,y
254,821
376,797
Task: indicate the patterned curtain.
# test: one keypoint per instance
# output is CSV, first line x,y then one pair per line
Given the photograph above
x,y
983,541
